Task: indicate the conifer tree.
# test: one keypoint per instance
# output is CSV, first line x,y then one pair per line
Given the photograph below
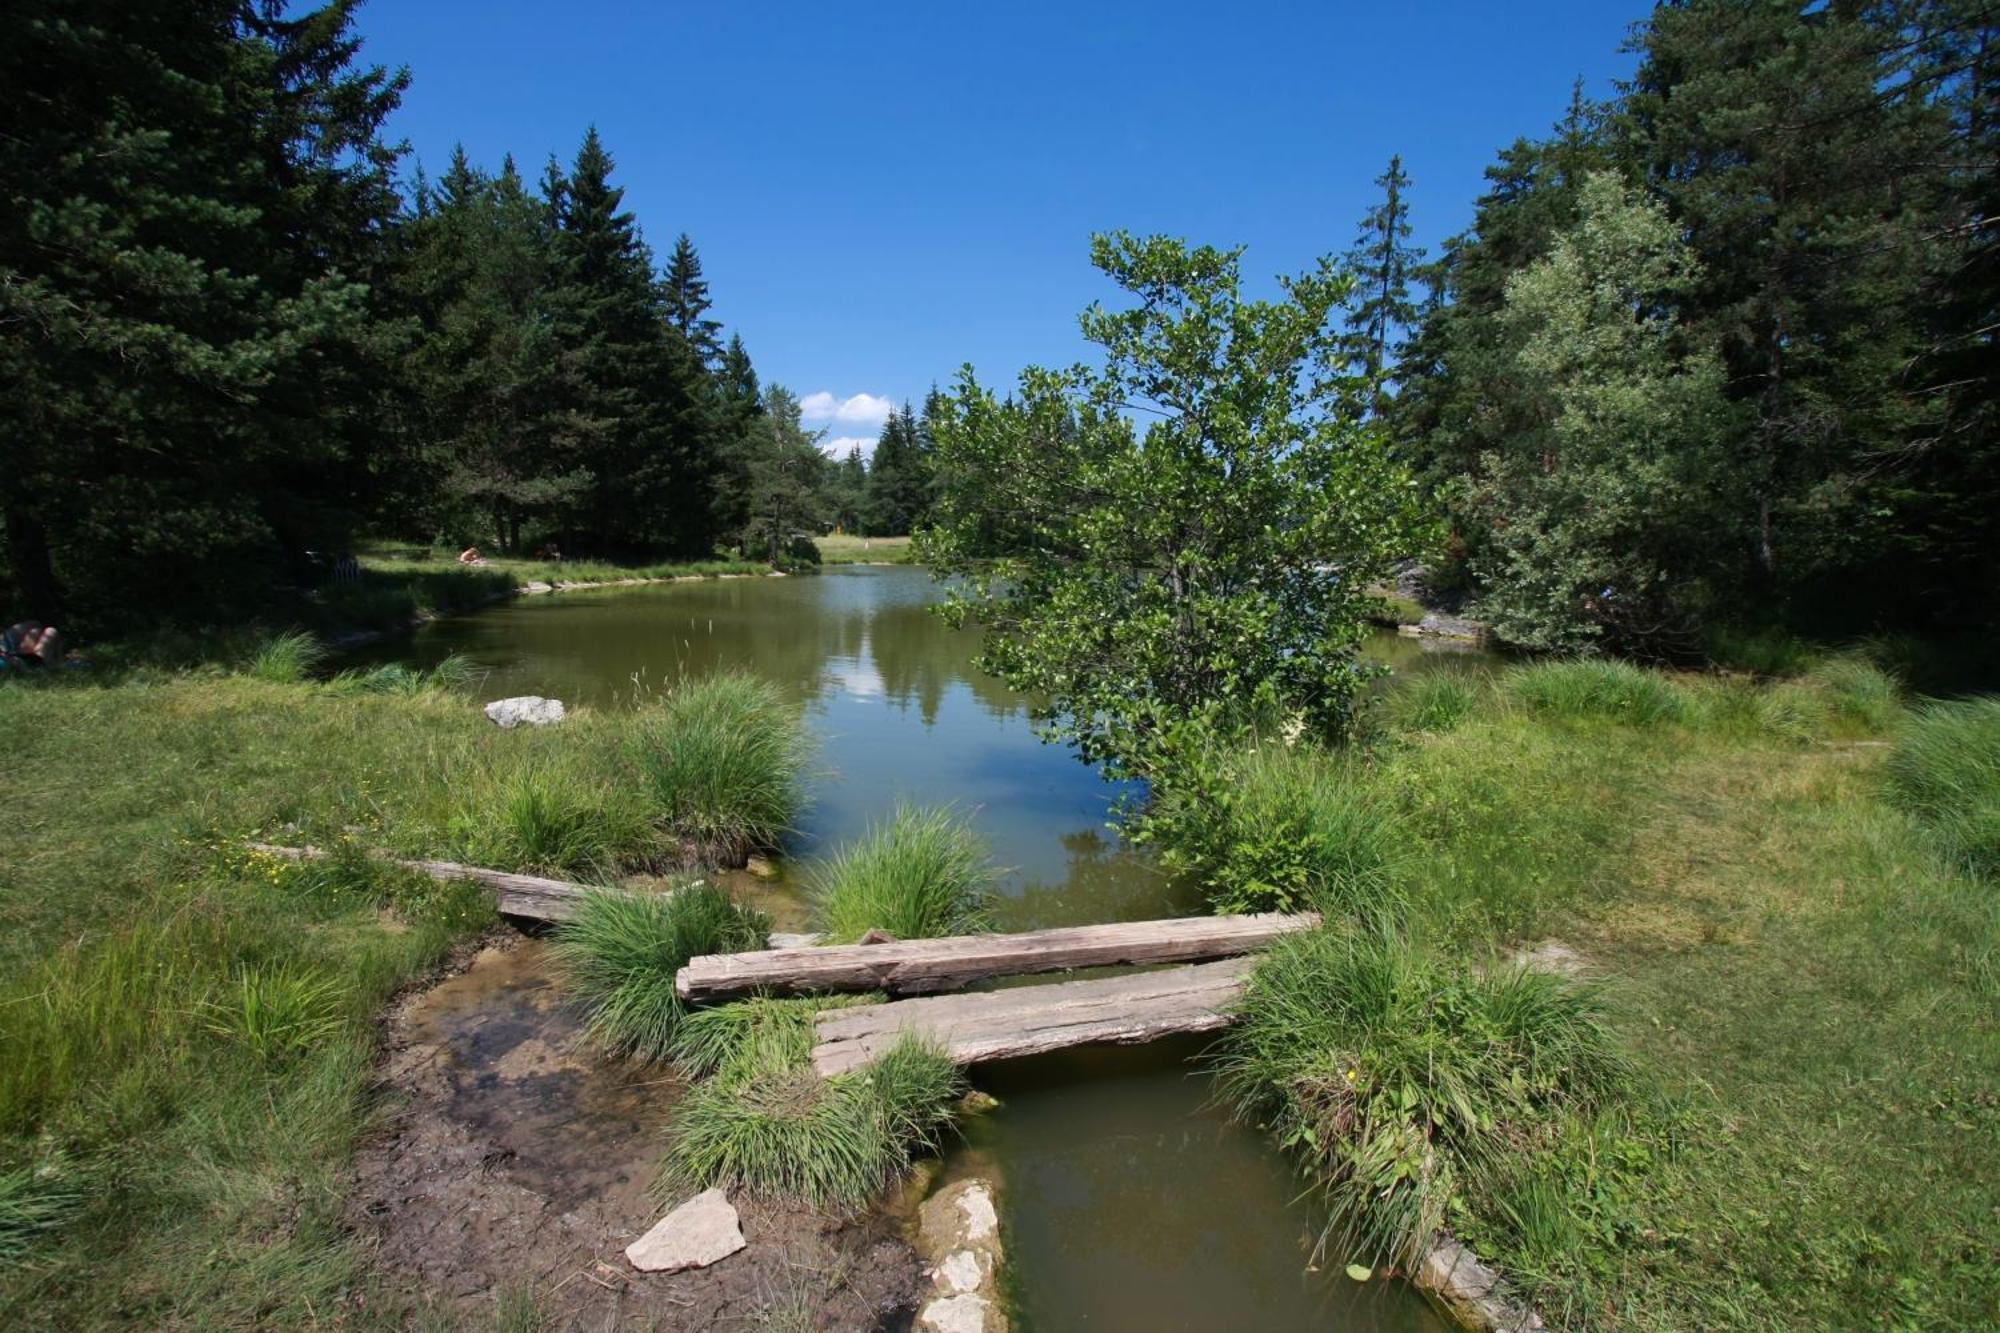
x,y
687,303
1383,262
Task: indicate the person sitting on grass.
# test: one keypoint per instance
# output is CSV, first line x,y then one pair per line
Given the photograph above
x,y
28,644
470,556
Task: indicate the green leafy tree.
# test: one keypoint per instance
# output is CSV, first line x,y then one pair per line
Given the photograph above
x,y
1603,516
1209,562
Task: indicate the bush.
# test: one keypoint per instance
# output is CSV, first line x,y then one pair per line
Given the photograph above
x,y
1402,1083
286,659
1598,689
1275,828
620,952
921,875
765,1123
721,760
1946,771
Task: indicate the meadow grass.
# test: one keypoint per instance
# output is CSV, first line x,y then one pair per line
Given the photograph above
x,y
1946,772
762,1121
1596,689
1799,965
286,659
1432,700
620,952
559,811
847,549
921,874
720,762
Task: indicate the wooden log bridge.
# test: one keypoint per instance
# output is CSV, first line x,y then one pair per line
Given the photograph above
x,y
528,896
916,966
1028,1020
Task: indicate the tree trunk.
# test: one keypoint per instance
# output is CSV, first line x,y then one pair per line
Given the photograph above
x,y
28,555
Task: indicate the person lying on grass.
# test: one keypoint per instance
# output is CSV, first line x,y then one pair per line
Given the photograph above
x,y
28,644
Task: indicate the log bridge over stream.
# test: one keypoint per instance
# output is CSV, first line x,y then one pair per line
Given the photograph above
x,y
1210,953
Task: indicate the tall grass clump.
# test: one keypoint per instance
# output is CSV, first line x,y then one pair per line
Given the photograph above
x,y
620,952
1601,689
286,659
1269,827
721,762
547,815
1857,691
453,673
921,875
1432,701
35,1199
1946,771
1404,1084
765,1123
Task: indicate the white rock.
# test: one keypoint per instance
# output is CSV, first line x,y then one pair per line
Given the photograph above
x,y
961,1271
694,1235
964,1313
535,587
976,1202
529,708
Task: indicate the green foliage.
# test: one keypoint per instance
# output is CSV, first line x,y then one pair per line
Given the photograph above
x,y
277,1012
287,659
1402,1082
454,673
620,952
901,484
1586,689
923,874
1270,827
720,762
1383,262
1128,578
548,815
785,481
764,1122
1432,700
1946,771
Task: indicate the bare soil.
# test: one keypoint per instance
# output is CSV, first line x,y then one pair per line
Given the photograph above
x,y
512,1165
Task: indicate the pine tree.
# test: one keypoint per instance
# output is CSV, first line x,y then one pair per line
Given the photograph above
x,y
741,406
899,489
1383,262
687,303
786,483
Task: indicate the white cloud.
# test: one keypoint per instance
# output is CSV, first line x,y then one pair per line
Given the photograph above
x,y
838,446
863,409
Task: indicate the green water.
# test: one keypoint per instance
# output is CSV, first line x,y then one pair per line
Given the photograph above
x,y
1130,1202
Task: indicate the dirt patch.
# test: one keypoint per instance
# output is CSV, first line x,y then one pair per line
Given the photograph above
x,y
511,1160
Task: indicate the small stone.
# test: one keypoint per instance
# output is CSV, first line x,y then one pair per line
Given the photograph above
x,y
529,708
535,587
961,1271
963,1313
788,939
976,1102
698,1233
761,868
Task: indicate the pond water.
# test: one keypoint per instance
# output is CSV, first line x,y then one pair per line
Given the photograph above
x,y
1130,1201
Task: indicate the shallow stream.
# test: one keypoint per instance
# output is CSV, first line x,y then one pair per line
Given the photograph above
x,y
1130,1202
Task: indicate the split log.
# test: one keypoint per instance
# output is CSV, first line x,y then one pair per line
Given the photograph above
x,y
915,966
1028,1020
528,896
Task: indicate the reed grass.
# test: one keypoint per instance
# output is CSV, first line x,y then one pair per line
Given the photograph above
x,y
620,952
1946,771
920,875
721,763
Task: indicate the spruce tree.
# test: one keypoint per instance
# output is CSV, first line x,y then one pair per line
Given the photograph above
x,y
1383,262
687,303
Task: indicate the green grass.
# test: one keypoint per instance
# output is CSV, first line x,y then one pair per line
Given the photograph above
x,y
850,550
1432,700
286,659
720,763
1408,1085
1946,772
560,811
761,1121
620,952
1596,689
922,874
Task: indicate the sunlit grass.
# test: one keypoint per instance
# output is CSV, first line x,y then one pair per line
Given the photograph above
x,y
721,763
922,874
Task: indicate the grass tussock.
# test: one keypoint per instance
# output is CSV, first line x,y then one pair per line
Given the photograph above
x,y
721,761
1432,701
762,1121
552,813
620,952
1404,1083
1945,770
923,874
286,659
1598,690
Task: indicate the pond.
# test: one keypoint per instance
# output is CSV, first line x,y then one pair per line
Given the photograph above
x,y
1130,1201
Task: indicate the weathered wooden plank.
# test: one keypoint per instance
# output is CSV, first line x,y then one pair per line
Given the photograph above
x,y
915,966
1028,1020
528,896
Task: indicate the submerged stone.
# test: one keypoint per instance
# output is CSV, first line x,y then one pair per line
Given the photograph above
x,y
531,709
698,1233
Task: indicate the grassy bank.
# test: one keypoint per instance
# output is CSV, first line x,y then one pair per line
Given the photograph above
x,y
1777,891
843,549
188,1027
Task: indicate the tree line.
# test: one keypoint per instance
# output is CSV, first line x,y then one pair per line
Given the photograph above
x,y
1720,348
238,335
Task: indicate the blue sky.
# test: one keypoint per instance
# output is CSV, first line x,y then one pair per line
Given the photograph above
x,y
882,192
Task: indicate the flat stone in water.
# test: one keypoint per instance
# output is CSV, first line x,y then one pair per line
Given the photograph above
x,y
698,1233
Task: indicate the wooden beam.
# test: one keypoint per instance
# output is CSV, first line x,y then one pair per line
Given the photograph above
x,y
916,966
1028,1020
528,896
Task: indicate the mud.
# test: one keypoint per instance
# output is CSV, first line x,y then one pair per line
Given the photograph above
x,y
512,1163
